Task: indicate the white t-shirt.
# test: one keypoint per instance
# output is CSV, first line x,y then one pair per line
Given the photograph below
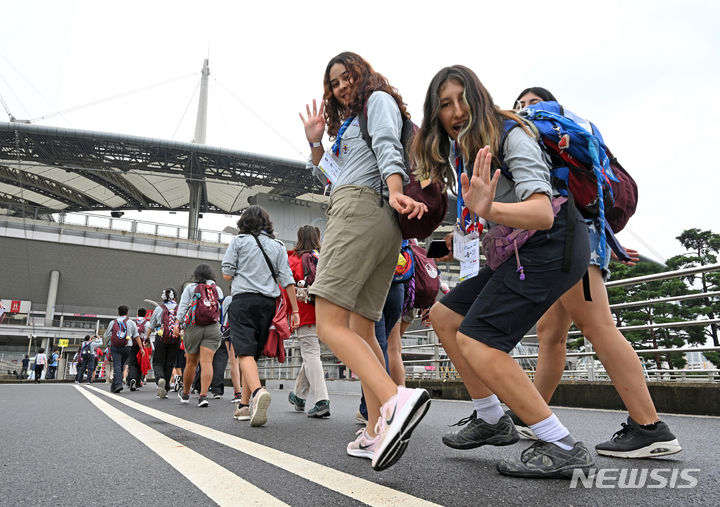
x,y
40,359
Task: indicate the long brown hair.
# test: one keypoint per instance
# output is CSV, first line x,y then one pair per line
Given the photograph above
x,y
308,239
365,81
431,145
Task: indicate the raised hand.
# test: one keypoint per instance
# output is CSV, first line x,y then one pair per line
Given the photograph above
x,y
479,191
315,122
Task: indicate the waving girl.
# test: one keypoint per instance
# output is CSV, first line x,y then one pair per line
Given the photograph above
x,y
362,242
484,317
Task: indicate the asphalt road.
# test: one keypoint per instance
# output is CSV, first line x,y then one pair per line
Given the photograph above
x,y
63,444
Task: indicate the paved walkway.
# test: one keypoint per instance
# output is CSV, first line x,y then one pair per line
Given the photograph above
x,y
66,444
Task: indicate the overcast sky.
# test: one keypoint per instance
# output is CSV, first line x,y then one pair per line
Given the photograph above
x,y
646,73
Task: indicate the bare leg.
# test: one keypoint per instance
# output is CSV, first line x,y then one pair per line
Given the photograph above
x,y
250,377
206,369
446,324
621,362
191,361
501,373
234,367
352,339
552,329
397,368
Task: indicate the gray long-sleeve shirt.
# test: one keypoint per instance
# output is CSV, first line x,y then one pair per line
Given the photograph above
x,y
245,263
529,168
364,167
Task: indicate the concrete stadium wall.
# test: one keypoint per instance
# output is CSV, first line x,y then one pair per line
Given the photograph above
x,y
92,279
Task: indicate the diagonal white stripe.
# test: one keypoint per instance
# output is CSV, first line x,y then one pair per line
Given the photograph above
x,y
354,487
218,483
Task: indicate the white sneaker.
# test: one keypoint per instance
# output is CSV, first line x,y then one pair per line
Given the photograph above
x,y
398,418
258,407
242,413
363,446
161,392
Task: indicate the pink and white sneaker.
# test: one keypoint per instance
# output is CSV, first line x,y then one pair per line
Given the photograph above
x,y
363,446
398,418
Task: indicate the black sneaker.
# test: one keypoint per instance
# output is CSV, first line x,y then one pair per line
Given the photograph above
x,y
202,401
133,383
635,441
521,427
543,460
216,395
321,409
478,432
298,402
184,398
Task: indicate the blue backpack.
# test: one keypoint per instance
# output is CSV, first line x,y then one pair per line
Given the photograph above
x,y
582,167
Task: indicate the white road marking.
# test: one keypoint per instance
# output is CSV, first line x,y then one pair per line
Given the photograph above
x,y
356,488
218,483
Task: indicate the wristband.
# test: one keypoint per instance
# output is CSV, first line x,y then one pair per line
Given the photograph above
x,y
316,145
295,312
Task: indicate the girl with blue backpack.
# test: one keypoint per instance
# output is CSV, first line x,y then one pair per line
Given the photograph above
x,y
362,240
644,435
482,319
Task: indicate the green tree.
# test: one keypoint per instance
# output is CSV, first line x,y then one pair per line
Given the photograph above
x,y
703,247
652,312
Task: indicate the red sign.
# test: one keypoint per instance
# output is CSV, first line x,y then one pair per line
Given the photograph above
x,y
15,307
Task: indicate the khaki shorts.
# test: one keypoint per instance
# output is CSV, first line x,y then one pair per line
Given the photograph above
x,y
206,336
359,251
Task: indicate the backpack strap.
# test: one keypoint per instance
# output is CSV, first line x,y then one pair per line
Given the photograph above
x,y
365,133
267,259
405,133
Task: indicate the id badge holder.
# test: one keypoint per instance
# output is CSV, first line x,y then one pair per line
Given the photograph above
x,y
466,249
330,168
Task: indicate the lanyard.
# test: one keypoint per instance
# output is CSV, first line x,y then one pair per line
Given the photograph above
x,y
464,217
338,139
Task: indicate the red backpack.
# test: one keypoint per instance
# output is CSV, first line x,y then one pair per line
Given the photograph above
x,y
205,306
141,327
425,281
431,194
118,336
167,321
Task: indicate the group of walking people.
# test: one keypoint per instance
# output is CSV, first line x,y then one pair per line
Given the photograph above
x,y
460,145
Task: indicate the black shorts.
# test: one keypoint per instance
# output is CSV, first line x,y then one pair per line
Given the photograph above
x,y
249,318
180,359
499,308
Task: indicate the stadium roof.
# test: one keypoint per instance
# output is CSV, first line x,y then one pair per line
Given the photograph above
x,y
62,169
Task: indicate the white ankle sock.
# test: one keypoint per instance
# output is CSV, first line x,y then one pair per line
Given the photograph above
x,y
552,430
488,409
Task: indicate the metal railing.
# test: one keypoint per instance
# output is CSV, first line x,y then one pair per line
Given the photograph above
x,y
438,366
127,226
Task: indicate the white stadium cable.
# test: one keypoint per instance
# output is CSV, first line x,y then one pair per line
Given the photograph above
x,y
5,106
27,81
124,94
192,97
12,117
646,245
268,125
